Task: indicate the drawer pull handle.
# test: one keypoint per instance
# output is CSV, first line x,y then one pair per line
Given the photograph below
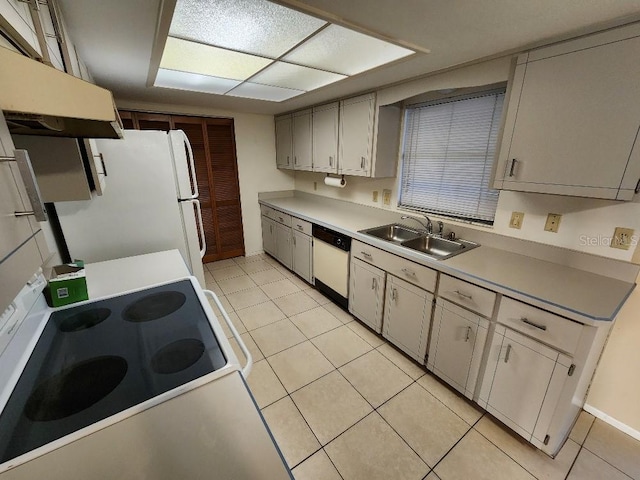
x,y
464,295
466,339
299,227
366,254
533,324
406,271
281,219
506,357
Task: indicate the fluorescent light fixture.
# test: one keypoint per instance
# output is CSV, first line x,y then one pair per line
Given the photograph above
x,y
187,56
194,82
264,92
341,50
262,50
252,26
288,75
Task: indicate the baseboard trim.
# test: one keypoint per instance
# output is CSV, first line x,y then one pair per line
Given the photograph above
x,y
612,421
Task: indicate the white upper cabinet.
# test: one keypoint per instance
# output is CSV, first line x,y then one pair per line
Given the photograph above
x,y
284,142
302,143
17,22
356,135
325,138
572,122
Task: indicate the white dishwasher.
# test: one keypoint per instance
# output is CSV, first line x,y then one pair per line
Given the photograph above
x,y
331,264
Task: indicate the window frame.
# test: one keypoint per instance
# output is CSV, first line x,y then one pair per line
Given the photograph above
x,y
444,99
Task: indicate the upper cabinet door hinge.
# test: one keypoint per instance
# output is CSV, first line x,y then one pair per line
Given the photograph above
x,y
572,369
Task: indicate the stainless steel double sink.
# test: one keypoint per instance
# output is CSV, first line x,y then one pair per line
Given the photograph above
x,y
428,244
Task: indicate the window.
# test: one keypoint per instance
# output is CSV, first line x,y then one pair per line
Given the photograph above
x,y
449,148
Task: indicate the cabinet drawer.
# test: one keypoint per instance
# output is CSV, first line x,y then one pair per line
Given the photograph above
x,y
419,275
282,218
466,294
266,211
301,225
551,329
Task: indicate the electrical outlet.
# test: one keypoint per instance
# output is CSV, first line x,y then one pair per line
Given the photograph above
x,y
375,196
386,197
622,238
553,222
516,220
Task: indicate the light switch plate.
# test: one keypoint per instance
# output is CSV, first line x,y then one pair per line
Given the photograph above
x,y
516,220
622,238
553,222
386,197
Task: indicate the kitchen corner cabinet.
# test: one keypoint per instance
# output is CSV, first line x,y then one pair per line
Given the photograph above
x,y
366,293
325,138
458,338
369,139
571,125
293,141
288,239
407,317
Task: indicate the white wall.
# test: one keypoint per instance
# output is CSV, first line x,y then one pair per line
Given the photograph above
x,y
256,152
587,225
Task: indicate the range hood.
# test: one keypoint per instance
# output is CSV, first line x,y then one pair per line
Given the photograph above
x,y
39,100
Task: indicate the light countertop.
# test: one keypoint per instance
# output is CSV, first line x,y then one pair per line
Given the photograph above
x,y
583,296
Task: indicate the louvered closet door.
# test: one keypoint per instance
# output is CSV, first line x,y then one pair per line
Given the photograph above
x,y
226,188
152,121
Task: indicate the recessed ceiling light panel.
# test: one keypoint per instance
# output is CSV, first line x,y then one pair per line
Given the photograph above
x,y
345,51
264,92
187,56
287,75
194,82
253,26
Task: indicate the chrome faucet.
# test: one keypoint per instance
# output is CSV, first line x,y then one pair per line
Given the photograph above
x,y
428,226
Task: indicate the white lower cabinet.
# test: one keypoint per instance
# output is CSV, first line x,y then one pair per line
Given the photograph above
x,y
366,293
302,257
407,317
283,245
269,236
457,342
523,380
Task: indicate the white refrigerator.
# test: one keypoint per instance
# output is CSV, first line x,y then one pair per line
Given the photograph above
x,y
150,203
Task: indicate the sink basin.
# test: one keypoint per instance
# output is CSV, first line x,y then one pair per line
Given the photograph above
x,y
437,247
393,233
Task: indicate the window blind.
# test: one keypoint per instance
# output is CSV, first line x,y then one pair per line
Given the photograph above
x,y
449,150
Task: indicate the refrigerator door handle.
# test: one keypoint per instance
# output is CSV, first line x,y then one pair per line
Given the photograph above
x,y
192,167
203,241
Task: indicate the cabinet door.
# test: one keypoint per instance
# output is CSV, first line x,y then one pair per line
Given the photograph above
x,y
521,369
366,295
407,317
302,151
356,135
302,256
325,138
16,20
269,236
283,245
456,346
576,122
284,143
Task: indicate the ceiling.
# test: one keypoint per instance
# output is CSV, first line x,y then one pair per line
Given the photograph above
x,y
116,39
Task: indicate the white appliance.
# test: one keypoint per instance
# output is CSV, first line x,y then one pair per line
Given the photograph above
x,y
174,411
150,204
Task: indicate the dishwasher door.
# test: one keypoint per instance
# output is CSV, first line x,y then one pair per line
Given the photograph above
x,y
331,266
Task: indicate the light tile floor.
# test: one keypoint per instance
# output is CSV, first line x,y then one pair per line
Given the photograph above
x,y
342,403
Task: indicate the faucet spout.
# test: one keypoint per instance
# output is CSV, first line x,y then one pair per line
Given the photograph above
x,y
427,226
